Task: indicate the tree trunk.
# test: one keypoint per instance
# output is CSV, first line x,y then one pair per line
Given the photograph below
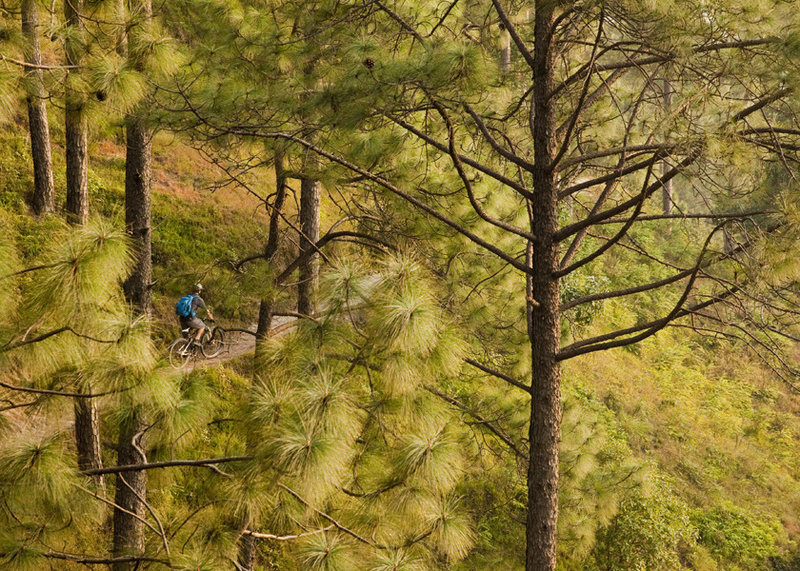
x,y
505,50
43,189
138,167
264,325
666,197
130,493
75,122
131,488
247,553
87,438
247,543
309,228
545,412
266,307
87,435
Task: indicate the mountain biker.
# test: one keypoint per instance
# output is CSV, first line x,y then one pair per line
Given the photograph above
x,y
192,321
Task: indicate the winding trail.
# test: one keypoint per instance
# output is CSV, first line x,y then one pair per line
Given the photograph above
x,y
238,343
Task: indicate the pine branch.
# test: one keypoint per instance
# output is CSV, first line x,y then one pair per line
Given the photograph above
x,y
468,184
323,515
11,346
498,374
54,392
165,464
570,229
97,560
496,430
259,535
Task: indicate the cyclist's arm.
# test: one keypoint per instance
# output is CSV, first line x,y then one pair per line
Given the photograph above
x,y
202,304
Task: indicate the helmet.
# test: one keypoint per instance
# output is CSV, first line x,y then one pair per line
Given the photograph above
x,y
198,287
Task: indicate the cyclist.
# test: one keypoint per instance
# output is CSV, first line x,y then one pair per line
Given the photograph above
x,y
191,320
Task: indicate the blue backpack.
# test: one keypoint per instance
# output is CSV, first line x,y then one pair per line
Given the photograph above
x,y
184,306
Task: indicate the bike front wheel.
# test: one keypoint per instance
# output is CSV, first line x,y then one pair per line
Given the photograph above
x,y
213,343
180,352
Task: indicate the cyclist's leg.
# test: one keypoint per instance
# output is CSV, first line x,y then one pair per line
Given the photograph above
x,y
198,327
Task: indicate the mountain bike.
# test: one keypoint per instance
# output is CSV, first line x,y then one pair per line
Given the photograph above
x,y
183,350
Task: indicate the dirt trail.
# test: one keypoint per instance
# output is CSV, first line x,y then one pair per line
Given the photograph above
x,y
238,343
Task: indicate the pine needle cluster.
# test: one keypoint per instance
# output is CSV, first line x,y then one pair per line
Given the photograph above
x,y
346,428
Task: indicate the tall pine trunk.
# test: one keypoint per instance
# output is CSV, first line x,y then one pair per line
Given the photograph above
x,y
87,438
43,189
131,487
247,543
545,412
87,433
75,121
309,228
666,196
138,219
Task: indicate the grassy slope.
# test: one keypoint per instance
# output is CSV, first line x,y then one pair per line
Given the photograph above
x,y
722,429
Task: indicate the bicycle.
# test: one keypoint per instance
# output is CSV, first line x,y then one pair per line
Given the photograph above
x,y
210,344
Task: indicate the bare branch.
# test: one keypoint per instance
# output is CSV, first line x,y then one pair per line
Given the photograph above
x,y
97,560
615,174
761,103
468,184
510,183
610,340
573,120
614,239
390,187
498,374
622,207
28,65
499,149
55,393
338,526
627,150
11,346
165,464
259,535
625,292
496,430
396,17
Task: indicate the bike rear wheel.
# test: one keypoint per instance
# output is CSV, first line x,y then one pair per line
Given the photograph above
x,y
180,352
213,342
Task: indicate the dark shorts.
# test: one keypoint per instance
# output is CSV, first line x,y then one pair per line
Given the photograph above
x,y
193,322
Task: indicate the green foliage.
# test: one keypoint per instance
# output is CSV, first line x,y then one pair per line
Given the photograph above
x,y
649,532
346,410
331,413
326,552
736,538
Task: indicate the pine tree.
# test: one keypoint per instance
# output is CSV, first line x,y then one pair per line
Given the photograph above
x,y
43,189
551,166
138,165
76,121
